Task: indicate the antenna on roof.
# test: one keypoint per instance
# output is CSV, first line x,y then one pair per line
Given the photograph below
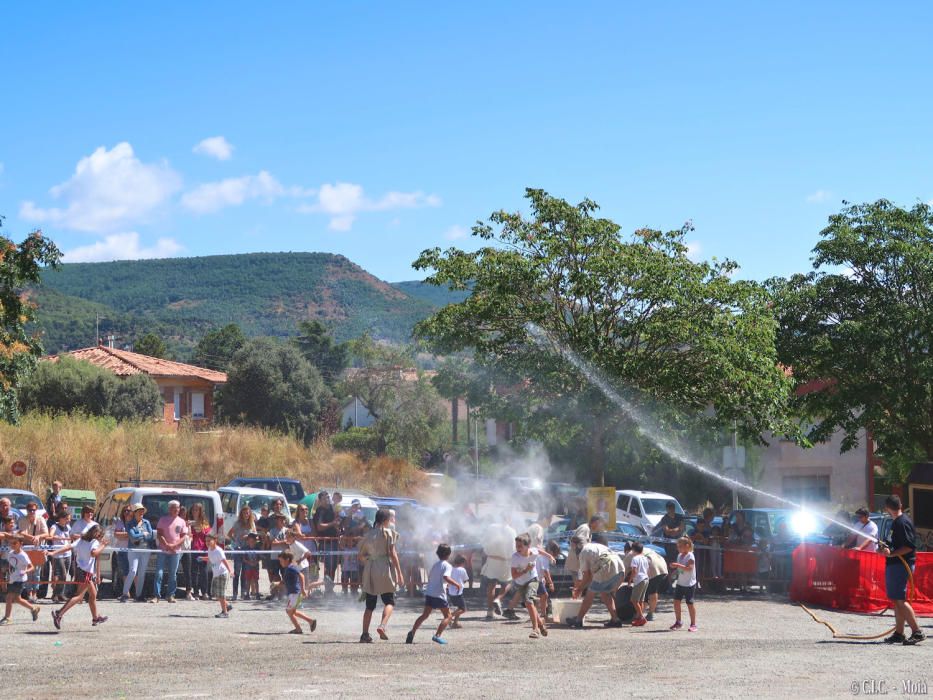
x,y
97,327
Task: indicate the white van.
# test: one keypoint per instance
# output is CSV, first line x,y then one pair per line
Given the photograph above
x,y
156,500
645,508
233,498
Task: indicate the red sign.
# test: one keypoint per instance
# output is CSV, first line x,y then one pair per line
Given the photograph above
x,y
18,468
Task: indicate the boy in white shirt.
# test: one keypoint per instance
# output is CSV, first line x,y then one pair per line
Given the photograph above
x,y
435,595
525,581
455,592
221,569
639,581
20,568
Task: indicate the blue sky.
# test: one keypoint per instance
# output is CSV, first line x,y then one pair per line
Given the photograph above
x,y
377,130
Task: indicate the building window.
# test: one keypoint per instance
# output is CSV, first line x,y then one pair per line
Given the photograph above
x,y
197,404
806,488
177,404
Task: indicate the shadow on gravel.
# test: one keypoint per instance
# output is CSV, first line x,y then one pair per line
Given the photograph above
x,y
190,617
857,643
330,641
42,632
265,634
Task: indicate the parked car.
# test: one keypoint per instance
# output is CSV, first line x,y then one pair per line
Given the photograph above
x,y
77,499
368,505
290,488
395,502
645,508
156,500
20,498
801,526
233,498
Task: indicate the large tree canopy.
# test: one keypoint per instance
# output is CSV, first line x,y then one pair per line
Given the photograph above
x,y
667,329
19,265
318,347
272,385
861,325
217,348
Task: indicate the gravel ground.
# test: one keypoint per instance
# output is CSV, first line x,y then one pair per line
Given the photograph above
x,y
748,646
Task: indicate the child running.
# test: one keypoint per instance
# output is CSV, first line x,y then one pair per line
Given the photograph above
x,y
639,581
20,566
294,581
221,570
86,549
686,583
455,592
435,597
525,581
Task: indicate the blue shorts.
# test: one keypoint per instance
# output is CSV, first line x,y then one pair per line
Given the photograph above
x,y
456,601
609,586
895,581
436,603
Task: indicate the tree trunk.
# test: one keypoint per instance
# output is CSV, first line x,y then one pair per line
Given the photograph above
x,y
454,418
598,450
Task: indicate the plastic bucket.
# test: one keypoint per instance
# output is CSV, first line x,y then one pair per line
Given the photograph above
x,y
564,608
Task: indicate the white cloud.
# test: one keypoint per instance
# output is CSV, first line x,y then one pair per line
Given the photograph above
x,y
122,246
455,233
215,147
694,249
109,189
819,196
233,192
343,201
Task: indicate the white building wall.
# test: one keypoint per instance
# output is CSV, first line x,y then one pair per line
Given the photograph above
x,y
847,472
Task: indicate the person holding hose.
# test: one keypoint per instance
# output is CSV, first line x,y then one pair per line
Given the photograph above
x,y
901,552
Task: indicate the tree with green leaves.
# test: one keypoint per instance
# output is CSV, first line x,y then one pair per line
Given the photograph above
x,y
20,265
217,348
151,345
68,386
408,410
671,332
270,384
859,330
318,347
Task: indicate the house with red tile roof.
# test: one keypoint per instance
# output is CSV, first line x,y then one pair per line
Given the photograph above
x,y
187,391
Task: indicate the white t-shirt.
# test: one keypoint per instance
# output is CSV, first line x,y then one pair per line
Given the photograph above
x,y
459,574
216,557
498,544
18,565
684,577
60,537
640,567
544,564
298,553
520,562
436,588
79,526
84,555
871,530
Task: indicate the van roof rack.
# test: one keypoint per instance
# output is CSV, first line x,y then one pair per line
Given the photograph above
x,y
203,485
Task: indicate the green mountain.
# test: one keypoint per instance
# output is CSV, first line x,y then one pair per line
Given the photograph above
x,y
266,294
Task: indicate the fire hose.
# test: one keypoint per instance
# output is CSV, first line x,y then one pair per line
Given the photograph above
x,y
911,595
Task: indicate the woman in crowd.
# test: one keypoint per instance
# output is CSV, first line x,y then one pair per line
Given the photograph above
x,y
121,527
141,536
302,525
200,527
244,525
381,572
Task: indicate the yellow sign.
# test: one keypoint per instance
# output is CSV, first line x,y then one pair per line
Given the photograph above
x,y
601,500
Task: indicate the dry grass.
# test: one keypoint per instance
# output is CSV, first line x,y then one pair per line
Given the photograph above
x,y
88,453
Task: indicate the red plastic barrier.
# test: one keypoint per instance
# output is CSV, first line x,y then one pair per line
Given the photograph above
x,y
847,579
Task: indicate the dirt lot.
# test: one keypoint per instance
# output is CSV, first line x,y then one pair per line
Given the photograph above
x,y
751,646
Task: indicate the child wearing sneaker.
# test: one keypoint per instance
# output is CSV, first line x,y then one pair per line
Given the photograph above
x,y
20,566
639,581
221,569
685,566
435,597
86,550
293,579
251,559
455,593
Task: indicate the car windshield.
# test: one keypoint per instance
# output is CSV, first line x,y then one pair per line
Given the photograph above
x,y
629,529
256,502
20,500
157,505
658,506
